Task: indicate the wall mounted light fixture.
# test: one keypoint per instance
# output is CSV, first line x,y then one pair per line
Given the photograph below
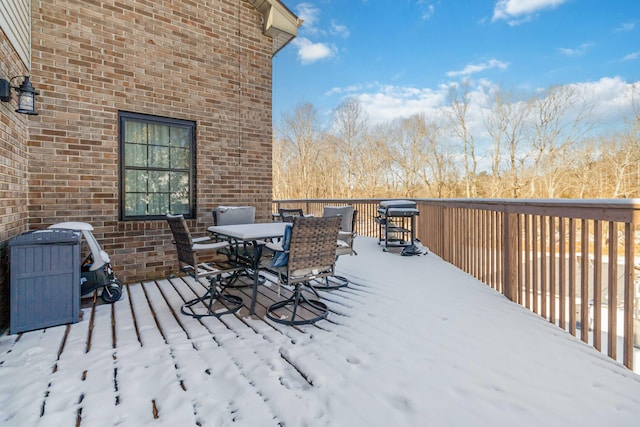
x,y
26,95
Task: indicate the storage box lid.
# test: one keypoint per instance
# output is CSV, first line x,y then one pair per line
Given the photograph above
x,y
46,237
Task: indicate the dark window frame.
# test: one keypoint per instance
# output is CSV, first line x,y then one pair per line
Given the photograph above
x,y
123,117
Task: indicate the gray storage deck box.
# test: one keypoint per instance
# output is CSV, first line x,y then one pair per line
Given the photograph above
x,y
45,279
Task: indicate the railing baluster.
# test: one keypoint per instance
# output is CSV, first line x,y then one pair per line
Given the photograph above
x,y
597,284
572,276
543,267
527,261
521,253
552,270
562,263
535,288
584,281
629,244
612,298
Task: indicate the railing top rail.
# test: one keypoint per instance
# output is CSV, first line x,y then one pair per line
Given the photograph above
x,y
621,210
339,200
609,203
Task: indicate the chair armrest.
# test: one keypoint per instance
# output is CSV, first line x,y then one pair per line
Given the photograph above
x,y
209,246
275,246
343,244
346,236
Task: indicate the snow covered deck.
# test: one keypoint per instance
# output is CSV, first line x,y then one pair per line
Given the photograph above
x,y
413,341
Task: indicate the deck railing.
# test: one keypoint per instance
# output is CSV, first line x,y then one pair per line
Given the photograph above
x,y
570,261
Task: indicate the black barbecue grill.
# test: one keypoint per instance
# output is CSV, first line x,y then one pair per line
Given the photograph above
x,y
396,223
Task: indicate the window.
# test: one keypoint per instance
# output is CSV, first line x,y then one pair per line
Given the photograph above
x,y
157,166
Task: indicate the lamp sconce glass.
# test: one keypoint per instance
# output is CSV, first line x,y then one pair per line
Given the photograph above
x,y
26,95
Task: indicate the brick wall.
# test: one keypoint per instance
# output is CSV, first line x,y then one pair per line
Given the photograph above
x,y
13,172
188,59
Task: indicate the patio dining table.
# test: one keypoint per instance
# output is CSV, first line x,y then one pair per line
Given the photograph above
x,y
255,234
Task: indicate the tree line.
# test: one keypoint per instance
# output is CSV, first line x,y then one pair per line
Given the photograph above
x,y
549,144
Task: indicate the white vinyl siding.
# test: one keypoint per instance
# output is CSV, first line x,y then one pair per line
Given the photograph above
x,y
15,21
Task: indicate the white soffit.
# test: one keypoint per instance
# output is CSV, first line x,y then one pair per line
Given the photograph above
x,y
15,22
279,22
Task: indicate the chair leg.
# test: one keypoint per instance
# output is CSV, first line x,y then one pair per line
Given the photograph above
x,y
331,283
298,300
234,281
231,303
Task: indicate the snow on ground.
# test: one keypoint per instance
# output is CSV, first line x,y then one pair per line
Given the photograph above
x,y
412,342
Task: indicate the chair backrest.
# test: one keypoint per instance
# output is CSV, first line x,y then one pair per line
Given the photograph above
x,y
183,241
287,215
346,213
231,215
312,250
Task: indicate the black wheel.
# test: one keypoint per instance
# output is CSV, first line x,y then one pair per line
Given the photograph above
x,y
111,293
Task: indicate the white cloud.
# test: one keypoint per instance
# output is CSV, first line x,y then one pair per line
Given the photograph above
x,y
518,11
631,56
581,50
385,103
626,26
311,47
477,68
350,89
309,14
612,98
339,30
427,9
309,52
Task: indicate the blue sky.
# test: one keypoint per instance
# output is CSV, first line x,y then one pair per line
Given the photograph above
x,y
399,56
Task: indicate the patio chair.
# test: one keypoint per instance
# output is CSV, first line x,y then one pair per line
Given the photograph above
x,y
219,273
231,215
347,234
309,253
287,215
344,243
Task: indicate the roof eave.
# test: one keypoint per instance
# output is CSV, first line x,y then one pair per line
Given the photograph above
x,y
279,22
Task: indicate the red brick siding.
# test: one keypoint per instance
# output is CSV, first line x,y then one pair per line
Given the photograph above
x,y
13,171
202,61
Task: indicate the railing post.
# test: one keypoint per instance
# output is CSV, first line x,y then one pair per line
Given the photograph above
x,y
510,255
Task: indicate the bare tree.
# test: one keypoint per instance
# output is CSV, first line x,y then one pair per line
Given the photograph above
x,y
280,173
301,134
350,126
543,146
561,119
622,153
408,154
506,125
459,97
431,160
376,163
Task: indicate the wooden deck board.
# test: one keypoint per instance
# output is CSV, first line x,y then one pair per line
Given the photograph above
x,y
109,359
